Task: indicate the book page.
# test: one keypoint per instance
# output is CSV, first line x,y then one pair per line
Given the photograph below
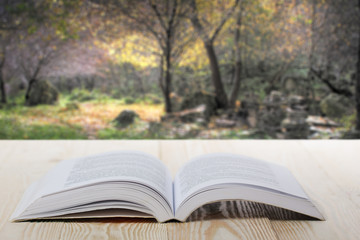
x,y
221,168
132,166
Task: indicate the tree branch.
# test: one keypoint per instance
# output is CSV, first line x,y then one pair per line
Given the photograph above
x,y
158,15
331,86
223,21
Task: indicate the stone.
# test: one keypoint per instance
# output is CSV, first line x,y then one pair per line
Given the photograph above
x,y
290,84
200,98
125,118
322,121
193,115
249,108
271,116
295,129
275,99
225,123
42,92
297,102
294,114
294,126
270,120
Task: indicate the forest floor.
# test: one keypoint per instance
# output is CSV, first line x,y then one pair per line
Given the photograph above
x,y
93,120
82,118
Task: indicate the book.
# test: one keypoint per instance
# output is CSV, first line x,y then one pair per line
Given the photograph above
x,y
136,184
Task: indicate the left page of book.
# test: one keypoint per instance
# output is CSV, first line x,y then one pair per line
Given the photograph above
x,y
121,166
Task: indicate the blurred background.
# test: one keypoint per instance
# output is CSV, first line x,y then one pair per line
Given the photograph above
x,y
179,69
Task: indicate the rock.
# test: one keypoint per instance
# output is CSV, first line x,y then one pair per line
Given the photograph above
x,y
295,129
249,110
270,120
297,102
190,115
289,84
294,126
271,116
335,106
297,115
322,121
188,130
200,98
225,123
125,118
274,99
194,115
42,92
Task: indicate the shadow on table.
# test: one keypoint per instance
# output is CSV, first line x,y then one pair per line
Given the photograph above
x,y
244,209
214,211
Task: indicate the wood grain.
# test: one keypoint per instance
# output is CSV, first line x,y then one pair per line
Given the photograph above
x,y
328,171
254,228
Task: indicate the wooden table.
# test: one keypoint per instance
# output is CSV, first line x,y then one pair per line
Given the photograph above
x,y
329,171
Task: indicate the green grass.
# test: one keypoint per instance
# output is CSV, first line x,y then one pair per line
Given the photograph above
x,y
12,129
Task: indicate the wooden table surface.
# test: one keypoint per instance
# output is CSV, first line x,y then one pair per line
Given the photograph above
x,y
329,171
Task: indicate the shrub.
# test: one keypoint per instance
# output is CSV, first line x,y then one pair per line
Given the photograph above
x,y
82,95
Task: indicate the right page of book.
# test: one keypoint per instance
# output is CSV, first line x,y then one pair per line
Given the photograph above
x,y
222,168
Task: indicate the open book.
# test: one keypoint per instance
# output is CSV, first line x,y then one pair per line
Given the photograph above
x,y
136,184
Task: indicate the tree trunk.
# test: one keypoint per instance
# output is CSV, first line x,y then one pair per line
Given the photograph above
x,y
236,87
238,64
357,94
216,76
167,86
2,90
27,95
310,81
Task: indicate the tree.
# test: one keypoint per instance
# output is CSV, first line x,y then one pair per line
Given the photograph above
x,y
11,17
238,62
20,18
357,90
208,37
164,22
333,47
2,83
35,53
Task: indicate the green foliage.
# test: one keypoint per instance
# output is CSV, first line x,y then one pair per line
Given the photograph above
x,y
348,121
255,85
84,95
129,100
72,106
138,130
335,106
81,95
114,133
12,129
150,99
17,8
